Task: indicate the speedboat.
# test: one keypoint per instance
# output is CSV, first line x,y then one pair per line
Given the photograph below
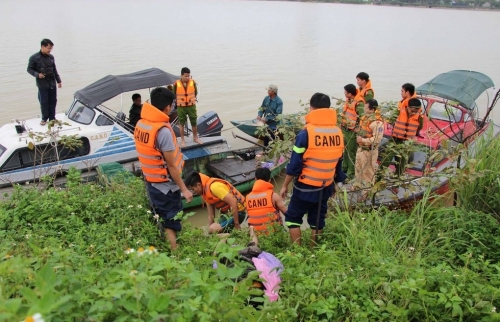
x,y
451,121
30,151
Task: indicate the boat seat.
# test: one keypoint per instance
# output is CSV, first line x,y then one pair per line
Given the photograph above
x,y
121,116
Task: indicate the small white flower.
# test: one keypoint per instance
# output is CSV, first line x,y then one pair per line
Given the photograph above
x,y
149,211
199,253
493,309
312,256
156,217
455,275
188,259
34,318
411,249
8,256
152,250
130,206
28,236
133,272
140,252
71,245
27,183
72,213
139,206
363,218
129,251
137,242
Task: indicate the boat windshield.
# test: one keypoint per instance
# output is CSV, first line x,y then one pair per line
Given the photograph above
x,y
2,149
81,114
445,112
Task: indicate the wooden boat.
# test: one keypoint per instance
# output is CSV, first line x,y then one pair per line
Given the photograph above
x,y
450,119
105,134
236,167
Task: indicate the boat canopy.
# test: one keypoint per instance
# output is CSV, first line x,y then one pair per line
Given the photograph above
x,y
113,85
463,86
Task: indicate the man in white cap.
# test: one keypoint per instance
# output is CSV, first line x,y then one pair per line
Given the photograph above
x,y
272,106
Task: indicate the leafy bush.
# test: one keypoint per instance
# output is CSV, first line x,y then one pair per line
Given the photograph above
x,y
92,253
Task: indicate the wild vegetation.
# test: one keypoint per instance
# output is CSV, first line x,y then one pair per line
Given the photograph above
x,y
92,252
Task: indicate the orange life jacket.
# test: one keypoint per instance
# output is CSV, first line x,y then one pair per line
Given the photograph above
x,y
151,158
350,116
325,145
209,197
260,207
405,127
186,96
364,124
365,89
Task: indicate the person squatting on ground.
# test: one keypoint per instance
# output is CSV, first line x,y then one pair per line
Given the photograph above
x,y
186,92
161,161
219,194
407,126
315,163
135,110
272,106
42,66
263,204
352,111
370,134
365,86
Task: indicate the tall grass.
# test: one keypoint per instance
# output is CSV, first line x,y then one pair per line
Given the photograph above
x,y
482,191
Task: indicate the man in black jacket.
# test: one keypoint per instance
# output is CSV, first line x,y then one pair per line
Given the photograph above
x,y
42,66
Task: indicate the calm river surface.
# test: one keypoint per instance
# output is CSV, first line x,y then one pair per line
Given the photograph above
x,y
236,48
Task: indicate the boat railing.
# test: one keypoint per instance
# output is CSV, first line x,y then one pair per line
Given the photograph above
x,y
26,136
24,119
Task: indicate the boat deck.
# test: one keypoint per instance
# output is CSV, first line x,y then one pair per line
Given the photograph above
x,y
234,170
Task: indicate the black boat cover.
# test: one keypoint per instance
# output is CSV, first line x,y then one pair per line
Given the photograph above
x,y
113,85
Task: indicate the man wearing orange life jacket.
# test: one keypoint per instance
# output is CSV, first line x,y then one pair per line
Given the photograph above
x,y
161,161
263,204
186,92
315,163
365,86
218,194
352,111
369,136
407,126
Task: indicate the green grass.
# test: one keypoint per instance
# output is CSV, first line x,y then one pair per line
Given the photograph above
x,y
64,256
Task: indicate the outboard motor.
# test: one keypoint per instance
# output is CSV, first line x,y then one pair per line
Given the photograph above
x,y
209,124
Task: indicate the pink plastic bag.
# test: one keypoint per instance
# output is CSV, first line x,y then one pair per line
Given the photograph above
x,y
271,269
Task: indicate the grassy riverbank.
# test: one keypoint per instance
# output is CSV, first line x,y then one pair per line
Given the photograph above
x,y
64,255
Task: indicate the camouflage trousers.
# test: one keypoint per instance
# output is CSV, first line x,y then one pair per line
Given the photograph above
x,y
366,167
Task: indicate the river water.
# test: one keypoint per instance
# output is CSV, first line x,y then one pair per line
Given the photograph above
x,y
236,48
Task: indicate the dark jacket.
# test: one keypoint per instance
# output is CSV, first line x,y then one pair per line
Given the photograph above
x,y
135,114
40,63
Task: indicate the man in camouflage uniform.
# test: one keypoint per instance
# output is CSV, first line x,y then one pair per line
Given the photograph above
x,y
371,132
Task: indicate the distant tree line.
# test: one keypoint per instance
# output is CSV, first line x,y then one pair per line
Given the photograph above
x,y
494,4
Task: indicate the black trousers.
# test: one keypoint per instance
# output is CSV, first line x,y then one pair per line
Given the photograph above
x,y
48,102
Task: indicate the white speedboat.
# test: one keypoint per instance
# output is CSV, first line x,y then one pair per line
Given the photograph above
x,y
29,151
